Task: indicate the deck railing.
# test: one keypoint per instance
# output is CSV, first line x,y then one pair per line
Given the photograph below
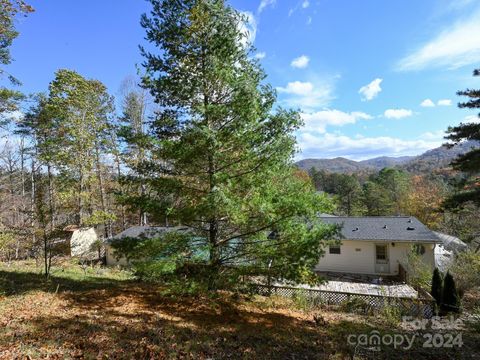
x,y
418,307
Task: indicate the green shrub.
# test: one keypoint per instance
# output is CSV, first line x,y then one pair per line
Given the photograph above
x,y
437,286
303,302
391,314
466,269
450,297
419,273
356,305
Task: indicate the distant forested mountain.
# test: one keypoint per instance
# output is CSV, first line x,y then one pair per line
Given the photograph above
x,y
336,165
438,158
386,161
435,159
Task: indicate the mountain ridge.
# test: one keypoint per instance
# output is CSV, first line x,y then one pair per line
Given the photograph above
x,y
437,158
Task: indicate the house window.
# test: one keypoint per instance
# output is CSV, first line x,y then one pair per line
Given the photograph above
x,y
419,249
334,249
381,251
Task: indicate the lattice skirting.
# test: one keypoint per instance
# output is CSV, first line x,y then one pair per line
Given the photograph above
x,y
408,306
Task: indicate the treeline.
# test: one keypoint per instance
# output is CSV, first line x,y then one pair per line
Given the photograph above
x,y
198,142
394,192
68,161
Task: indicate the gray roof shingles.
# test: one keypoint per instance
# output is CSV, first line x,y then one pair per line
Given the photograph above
x,y
146,232
386,228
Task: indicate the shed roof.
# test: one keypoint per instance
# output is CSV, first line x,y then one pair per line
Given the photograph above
x,y
451,243
146,232
386,228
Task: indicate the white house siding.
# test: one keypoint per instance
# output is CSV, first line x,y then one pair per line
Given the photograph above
x,y
112,260
363,261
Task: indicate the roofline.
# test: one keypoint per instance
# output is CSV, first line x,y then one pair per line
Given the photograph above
x,y
369,217
433,241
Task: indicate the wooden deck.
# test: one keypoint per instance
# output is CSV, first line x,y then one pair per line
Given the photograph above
x,y
360,278
397,290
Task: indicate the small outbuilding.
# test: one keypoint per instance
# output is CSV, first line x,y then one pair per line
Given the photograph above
x,y
446,251
81,241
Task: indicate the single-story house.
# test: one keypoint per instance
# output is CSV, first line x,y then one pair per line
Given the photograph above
x,y
366,245
378,245
139,232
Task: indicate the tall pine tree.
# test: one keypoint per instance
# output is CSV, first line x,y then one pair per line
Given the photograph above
x,y
221,158
469,163
79,113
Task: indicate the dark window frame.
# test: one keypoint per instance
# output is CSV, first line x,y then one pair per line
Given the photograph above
x,y
335,249
384,255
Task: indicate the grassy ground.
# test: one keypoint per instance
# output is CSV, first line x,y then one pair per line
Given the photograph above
x,y
105,314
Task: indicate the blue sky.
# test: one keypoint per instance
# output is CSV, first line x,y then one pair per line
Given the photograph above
x,y
370,77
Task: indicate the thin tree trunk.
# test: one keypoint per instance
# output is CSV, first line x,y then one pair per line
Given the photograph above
x,y
32,203
122,207
107,225
143,215
45,254
51,199
22,166
80,198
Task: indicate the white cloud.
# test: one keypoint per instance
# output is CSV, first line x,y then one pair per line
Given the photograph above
x,y
306,95
427,103
430,103
444,102
397,113
433,135
260,55
264,4
359,148
248,28
371,90
471,119
456,46
318,121
297,88
305,4
301,62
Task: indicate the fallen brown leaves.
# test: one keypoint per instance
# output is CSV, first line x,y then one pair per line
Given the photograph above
x,y
135,321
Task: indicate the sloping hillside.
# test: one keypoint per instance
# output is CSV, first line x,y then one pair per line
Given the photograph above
x,y
104,315
343,165
339,165
435,159
438,158
386,161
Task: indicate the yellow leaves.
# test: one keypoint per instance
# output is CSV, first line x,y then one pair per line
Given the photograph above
x,y
424,200
100,217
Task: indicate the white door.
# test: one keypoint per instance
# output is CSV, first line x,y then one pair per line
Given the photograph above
x,y
382,261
